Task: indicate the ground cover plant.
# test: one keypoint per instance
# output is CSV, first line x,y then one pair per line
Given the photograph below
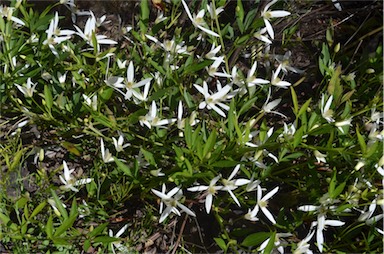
x,y
191,126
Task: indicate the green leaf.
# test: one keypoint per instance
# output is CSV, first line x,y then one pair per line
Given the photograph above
x,y
255,239
193,68
271,243
16,159
105,239
38,209
48,97
224,164
188,133
303,108
98,230
211,141
361,140
73,211
67,223
247,105
249,18
148,157
144,16
332,185
295,103
49,227
120,165
59,205
221,243
240,15
298,136
338,190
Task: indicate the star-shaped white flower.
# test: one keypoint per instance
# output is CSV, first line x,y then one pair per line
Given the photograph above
x,y
326,111
262,203
119,143
69,181
151,119
171,200
210,191
197,20
28,89
231,184
268,15
212,101
117,244
321,224
105,154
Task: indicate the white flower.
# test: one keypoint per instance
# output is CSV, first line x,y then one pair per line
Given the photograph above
x,y
54,206
230,185
105,154
326,112
117,244
130,85
320,157
151,119
252,80
268,15
260,36
214,12
262,203
171,200
89,30
211,190
28,89
119,144
276,81
269,106
197,20
69,181
277,242
181,120
91,102
54,34
7,12
285,65
212,53
321,224
340,124
212,101
303,246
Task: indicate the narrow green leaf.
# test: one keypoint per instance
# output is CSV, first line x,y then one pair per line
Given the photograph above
x,y
194,67
188,134
49,227
255,239
332,185
65,225
361,140
144,16
120,165
240,15
247,105
271,243
211,141
303,108
105,239
221,243
338,190
98,230
74,209
59,205
48,97
225,164
38,209
148,157
295,102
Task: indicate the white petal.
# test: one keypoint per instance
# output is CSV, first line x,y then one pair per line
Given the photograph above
x,y
208,203
268,215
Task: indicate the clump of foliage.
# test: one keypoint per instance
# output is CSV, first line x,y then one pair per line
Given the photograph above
x,y
189,115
